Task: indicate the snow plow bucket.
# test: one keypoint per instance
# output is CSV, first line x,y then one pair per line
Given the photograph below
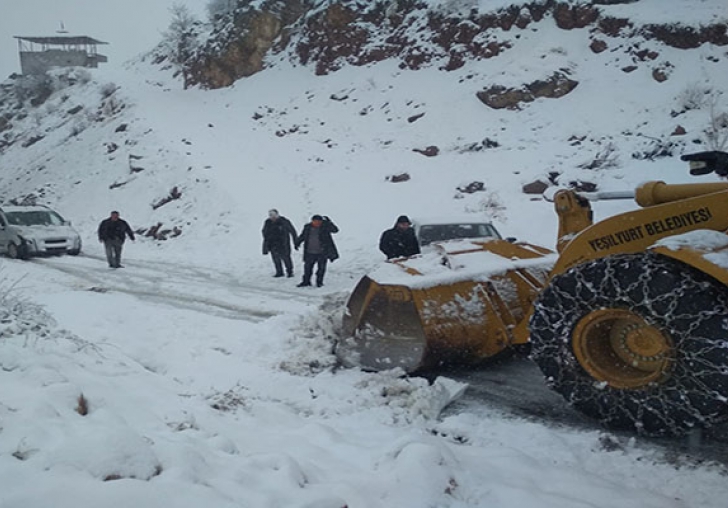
x,y
458,304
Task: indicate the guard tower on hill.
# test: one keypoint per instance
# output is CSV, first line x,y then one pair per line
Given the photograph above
x,y
39,54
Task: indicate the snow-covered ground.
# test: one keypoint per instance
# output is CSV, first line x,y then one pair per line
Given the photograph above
x,y
209,382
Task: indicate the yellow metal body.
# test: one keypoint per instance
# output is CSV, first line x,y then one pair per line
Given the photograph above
x,y
420,325
618,347
416,327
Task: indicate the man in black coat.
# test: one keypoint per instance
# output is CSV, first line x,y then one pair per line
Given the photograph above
x,y
318,248
112,232
400,241
277,234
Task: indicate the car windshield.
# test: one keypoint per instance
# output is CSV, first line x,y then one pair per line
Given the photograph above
x,y
34,218
441,232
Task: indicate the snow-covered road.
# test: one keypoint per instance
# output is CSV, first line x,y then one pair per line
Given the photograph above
x,y
189,404
181,286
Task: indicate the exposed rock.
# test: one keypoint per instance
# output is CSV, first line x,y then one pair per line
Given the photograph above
x,y
598,45
32,140
659,75
686,37
401,177
414,118
612,26
629,68
111,147
430,151
569,16
122,128
240,51
133,166
5,124
582,186
74,110
646,54
472,187
535,187
173,195
158,233
679,131
499,97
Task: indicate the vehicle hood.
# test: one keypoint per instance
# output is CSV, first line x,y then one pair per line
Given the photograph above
x,y
39,232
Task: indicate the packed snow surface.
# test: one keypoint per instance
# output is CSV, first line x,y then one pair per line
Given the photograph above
x,y
191,377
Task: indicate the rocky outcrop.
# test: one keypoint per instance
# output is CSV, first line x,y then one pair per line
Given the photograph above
x,y
240,47
500,97
330,34
569,17
687,37
242,57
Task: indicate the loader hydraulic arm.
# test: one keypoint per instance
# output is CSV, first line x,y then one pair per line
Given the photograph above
x,y
575,215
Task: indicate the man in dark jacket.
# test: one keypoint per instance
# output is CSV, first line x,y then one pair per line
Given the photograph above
x,y
400,241
113,232
277,234
318,248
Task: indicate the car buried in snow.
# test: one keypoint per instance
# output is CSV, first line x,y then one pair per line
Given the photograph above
x,y
433,230
27,231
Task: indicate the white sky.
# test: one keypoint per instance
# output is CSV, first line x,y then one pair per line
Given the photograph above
x,y
130,26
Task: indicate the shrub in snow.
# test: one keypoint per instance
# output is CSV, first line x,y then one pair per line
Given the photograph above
x,y
606,158
35,89
108,89
716,133
693,96
491,205
78,126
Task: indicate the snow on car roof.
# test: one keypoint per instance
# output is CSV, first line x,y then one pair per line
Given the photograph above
x,y
451,219
25,209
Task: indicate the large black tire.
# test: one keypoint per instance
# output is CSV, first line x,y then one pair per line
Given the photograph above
x,y
17,252
686,305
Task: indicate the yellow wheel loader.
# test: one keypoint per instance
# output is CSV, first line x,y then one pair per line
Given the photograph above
x,y
629,321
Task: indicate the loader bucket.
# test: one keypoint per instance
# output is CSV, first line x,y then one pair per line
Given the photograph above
x,y
458,304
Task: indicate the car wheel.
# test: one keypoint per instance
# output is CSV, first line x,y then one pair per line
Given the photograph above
x,y
637,341
15,252
74,252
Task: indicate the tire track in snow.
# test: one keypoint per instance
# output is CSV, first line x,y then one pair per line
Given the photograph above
x,y
183,286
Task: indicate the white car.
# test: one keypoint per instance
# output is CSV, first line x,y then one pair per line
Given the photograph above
x,y
434,230
36,230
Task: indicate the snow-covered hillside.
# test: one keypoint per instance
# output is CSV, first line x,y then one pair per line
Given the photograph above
x,y
210,382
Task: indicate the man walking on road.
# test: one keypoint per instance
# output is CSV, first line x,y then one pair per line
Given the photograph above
x,y
318,248
277,234
113,232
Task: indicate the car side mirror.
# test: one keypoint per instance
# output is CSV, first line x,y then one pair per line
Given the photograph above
x,y
511,239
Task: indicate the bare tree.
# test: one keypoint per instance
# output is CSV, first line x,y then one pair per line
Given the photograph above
x,y
180,38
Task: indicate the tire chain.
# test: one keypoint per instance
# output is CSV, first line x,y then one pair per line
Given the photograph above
x,y
689,305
